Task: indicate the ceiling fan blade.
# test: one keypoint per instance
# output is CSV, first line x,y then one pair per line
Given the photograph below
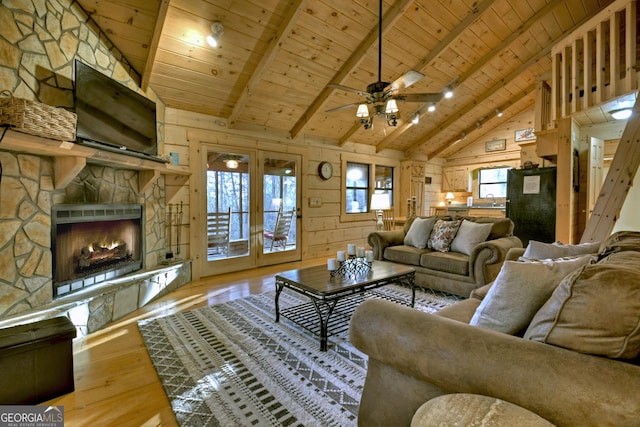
x,y
420,97
405,80
348,89
343,107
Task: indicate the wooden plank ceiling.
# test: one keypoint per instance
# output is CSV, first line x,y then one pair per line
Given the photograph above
x,y
276,58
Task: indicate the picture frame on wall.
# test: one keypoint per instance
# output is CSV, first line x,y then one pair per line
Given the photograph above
x,y
525,135
495,145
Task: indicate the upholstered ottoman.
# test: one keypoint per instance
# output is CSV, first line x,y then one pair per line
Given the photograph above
x,y
36,361
461,409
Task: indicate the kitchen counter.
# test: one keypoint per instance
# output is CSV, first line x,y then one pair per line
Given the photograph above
x,y
497,211
499,207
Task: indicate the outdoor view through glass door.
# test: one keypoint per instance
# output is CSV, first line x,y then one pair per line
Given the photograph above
x,y
281,208
244,230
228,205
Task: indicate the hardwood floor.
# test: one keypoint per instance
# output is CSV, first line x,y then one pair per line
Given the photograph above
x,y
115,382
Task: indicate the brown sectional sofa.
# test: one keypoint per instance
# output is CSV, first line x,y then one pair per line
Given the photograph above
x,y
454,272
576,364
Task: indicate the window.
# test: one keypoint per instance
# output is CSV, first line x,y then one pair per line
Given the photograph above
x,y
384,181
492,183
357,187
363,178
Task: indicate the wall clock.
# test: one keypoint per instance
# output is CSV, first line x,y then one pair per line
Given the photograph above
x,y
325,170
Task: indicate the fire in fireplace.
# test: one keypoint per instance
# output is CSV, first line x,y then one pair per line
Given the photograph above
x,y
92,244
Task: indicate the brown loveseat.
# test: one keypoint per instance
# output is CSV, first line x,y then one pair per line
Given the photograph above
x,y
575,364
453,270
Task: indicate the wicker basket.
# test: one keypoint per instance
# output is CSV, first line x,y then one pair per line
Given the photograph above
x,y
36,118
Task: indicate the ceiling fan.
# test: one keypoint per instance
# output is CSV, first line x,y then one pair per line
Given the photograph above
x,y
383,95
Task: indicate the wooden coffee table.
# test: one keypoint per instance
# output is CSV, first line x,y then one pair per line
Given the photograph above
x,y
334,299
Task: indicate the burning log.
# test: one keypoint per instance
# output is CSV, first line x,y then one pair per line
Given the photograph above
x,y
97,254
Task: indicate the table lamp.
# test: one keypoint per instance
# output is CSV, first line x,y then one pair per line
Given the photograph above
x,y
449,197
379,202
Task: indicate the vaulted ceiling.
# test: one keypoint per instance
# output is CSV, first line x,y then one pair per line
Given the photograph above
x,y
276,58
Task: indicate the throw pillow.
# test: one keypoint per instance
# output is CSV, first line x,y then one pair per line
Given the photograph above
x,y
595,310
419,232
469,235
519,290
442,235
540,250
621,241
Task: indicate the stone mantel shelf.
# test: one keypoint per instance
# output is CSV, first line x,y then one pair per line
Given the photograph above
x,y
71,158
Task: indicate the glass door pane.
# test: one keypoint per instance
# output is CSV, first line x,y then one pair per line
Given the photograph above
x,y
228,207
281,208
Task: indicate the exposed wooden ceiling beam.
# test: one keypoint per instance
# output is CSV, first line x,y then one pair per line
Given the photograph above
x,y
478,100
153,46
444,44
491,124
478,65
296,7
393,14
350,132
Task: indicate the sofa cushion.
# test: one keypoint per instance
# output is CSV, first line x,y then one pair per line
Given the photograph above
x,y
540,250
448,262
500,227
461,311
442,235
419,232
519,290
621,241
409,221
596,310
404,254
469,235
481,292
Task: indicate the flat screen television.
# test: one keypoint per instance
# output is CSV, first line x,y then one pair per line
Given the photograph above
x,y
112,116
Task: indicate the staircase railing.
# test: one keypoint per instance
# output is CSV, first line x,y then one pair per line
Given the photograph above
x,y
594,64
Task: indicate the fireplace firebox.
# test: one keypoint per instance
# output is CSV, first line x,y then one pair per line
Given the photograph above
x,y
92,244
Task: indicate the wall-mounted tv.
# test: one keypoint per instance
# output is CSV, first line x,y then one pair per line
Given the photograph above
x,y
112,116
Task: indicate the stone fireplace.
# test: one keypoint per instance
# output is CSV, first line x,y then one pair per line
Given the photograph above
x,y
92,244
41,213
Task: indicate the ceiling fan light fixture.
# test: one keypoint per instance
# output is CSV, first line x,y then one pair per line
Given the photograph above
x,y
621,114
216,31
391,107
363,111
231,163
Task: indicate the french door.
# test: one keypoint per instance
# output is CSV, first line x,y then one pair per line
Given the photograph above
x,y
280,211
245,193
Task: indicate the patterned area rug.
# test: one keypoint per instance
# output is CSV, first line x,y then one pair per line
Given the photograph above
x,y
231,365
